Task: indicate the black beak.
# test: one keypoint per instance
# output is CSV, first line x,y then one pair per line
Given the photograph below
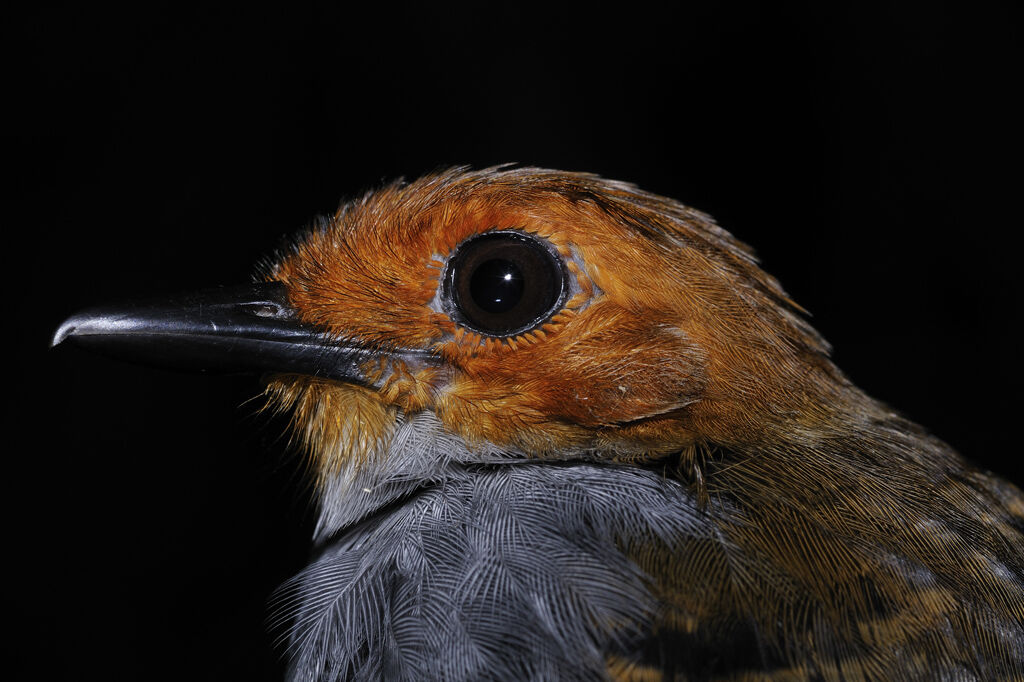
x,y
249,328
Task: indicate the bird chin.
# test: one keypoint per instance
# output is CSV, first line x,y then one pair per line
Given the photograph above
x,y
376,454
417,453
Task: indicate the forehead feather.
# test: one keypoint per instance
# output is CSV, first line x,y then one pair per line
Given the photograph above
x,y
388,235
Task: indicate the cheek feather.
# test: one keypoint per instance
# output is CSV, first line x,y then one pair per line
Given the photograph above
x,y
410,391
338,425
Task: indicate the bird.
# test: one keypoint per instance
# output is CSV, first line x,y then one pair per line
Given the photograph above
x,y
560,428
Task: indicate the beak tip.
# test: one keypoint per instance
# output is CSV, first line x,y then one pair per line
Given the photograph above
x,y
66,329
83,324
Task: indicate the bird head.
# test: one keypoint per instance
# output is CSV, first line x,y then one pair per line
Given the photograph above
x,y
473,320
498,315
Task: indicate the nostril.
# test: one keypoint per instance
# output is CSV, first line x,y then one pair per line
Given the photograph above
x,y
268,310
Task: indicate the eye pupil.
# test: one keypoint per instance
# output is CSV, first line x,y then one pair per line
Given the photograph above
x,y
496,285
503,283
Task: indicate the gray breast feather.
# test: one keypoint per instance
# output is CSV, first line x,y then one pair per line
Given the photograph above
x,y
509,572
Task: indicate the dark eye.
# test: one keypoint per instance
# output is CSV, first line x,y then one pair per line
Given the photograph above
x,y
504,283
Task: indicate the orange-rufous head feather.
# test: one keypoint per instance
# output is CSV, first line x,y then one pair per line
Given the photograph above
x,y
672,337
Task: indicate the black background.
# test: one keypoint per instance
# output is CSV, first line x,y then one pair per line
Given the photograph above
x,y
872,159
